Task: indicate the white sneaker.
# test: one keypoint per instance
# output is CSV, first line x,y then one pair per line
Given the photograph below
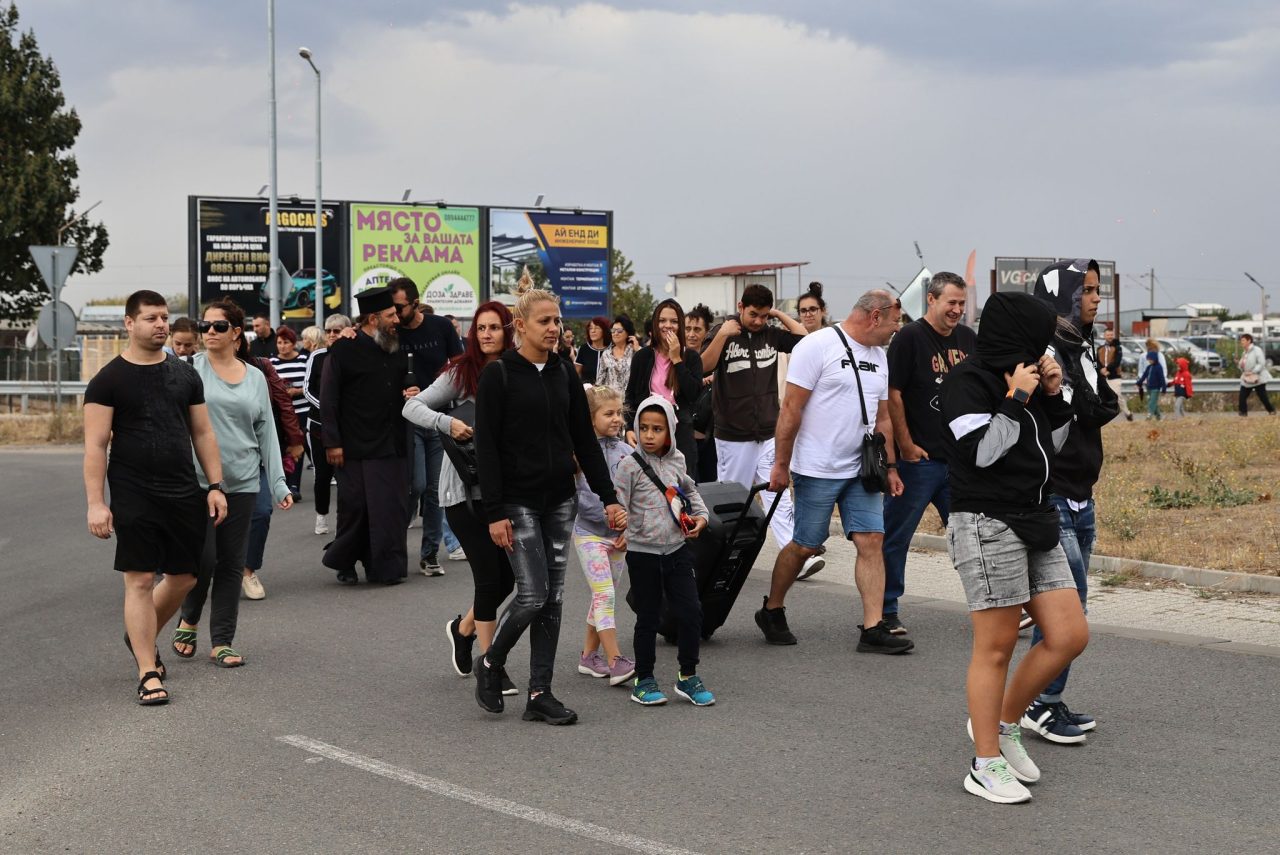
x,y
415,522
996,783
251,587
1011,749
430,568
458,555
812,565
322,524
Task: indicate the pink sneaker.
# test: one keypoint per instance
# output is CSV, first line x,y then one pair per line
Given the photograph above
x,y
593,665
622,670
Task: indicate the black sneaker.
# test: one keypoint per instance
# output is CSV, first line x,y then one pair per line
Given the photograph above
x,y
773,623
894,625
545,707
488,688
508,687
461,646
878,639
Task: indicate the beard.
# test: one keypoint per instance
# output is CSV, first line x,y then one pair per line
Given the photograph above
x,y
388,339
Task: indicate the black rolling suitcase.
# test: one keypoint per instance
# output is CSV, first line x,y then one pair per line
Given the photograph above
x,y
725,551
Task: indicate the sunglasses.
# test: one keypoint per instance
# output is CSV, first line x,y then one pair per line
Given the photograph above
x,y
216,326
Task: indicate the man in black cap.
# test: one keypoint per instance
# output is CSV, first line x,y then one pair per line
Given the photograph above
x,y
362,392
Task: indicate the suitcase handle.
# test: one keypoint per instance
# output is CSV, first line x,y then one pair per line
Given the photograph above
x,y
751,495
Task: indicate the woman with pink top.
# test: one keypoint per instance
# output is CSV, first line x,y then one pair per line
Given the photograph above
x,y
668,367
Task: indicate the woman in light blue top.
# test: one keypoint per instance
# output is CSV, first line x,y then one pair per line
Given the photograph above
x,y
240,409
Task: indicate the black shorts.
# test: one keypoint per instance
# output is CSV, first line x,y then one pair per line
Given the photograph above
x,y
158,534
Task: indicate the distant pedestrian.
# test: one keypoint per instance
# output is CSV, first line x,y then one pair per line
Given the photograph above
x,y
149,408
1152,381
263,345
1110,364
1183,386
669,368
323,490
311,339
1253,376
697,323
291,364
587,356
615,360
183,338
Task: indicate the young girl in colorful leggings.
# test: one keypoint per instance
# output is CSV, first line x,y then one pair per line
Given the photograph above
x,y
602,552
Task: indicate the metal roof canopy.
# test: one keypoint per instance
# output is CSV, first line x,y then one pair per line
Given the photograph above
x,y
741,269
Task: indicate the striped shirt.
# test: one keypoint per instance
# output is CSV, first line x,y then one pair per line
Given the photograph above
x,y
293,372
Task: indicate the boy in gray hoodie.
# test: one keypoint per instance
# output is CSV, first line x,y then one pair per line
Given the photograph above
x,y
664,511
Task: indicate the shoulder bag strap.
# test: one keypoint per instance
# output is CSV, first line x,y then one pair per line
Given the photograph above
x,y
648,470
857,375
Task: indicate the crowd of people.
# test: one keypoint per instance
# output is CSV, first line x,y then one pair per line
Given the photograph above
x,y
516,449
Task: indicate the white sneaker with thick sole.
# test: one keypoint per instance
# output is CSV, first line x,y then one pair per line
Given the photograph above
x,y
1011,749
251,587
458,554
996,783
812,565
322,524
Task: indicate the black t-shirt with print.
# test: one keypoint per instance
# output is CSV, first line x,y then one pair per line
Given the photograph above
x,y
150,424
918,360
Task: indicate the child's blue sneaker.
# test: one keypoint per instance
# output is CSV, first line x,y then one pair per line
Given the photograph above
x,y
646,692
692,690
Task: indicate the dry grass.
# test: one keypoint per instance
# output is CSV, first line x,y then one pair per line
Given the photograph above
x,y
1206,461
36,429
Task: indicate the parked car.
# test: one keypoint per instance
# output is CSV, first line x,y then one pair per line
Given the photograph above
x,y
1132,354
1208,360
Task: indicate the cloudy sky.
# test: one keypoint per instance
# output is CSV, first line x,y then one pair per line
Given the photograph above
x,y
720,132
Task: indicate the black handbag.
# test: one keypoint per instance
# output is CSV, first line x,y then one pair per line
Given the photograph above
x,y
874,468
462,454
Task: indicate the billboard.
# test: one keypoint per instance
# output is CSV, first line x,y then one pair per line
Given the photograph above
x,y
1019,274
230,254
438,247
567,249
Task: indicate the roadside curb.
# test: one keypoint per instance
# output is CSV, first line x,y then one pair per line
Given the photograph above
x,y
1222,580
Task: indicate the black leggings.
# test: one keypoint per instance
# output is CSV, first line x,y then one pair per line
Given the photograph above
x,y
324,472
222,564
490,569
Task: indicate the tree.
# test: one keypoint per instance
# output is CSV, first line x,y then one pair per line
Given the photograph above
x,y
627,296
37,172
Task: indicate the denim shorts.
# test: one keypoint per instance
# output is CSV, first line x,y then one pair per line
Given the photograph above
x,y
996,568
860,511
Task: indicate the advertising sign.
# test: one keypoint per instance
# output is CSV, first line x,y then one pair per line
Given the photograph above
x,y
1019,274
437,247
566,252
231,254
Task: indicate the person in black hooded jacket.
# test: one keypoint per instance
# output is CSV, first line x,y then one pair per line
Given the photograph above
x,y
1071,287
1000,408
532,420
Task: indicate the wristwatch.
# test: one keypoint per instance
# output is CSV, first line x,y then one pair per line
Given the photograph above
x,y
1019,395
217,485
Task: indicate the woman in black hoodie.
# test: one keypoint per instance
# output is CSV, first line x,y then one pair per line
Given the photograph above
x,y
678,376
1000,409
532,419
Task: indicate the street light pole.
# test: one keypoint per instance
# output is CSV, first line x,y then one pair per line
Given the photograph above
x,y
305,53
273,243
1264,303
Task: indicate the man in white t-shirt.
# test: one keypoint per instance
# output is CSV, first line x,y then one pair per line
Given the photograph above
x,y
818,448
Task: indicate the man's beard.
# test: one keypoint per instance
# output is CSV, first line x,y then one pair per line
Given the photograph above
x,y
388,340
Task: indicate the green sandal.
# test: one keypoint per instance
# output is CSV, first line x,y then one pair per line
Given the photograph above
x,y
184,636
221,657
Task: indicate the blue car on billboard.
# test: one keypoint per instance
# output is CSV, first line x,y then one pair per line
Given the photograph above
x,y
303,292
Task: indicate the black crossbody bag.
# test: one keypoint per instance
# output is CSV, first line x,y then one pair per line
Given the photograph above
x,y
874,471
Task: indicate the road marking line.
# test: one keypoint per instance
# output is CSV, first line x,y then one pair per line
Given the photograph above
x,y
483,800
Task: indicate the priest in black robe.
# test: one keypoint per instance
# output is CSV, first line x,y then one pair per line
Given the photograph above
x,y
362,393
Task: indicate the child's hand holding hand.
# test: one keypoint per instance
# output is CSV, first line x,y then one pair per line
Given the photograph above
x,y
620,543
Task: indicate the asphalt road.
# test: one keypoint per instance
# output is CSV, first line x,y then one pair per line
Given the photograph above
x,y
813,748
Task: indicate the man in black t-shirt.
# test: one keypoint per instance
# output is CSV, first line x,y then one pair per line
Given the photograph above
x,y
263,345
919,358
149,406
431,340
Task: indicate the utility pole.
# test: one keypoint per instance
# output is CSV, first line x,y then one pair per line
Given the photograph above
x,y
273,242
1264,303
1151,283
